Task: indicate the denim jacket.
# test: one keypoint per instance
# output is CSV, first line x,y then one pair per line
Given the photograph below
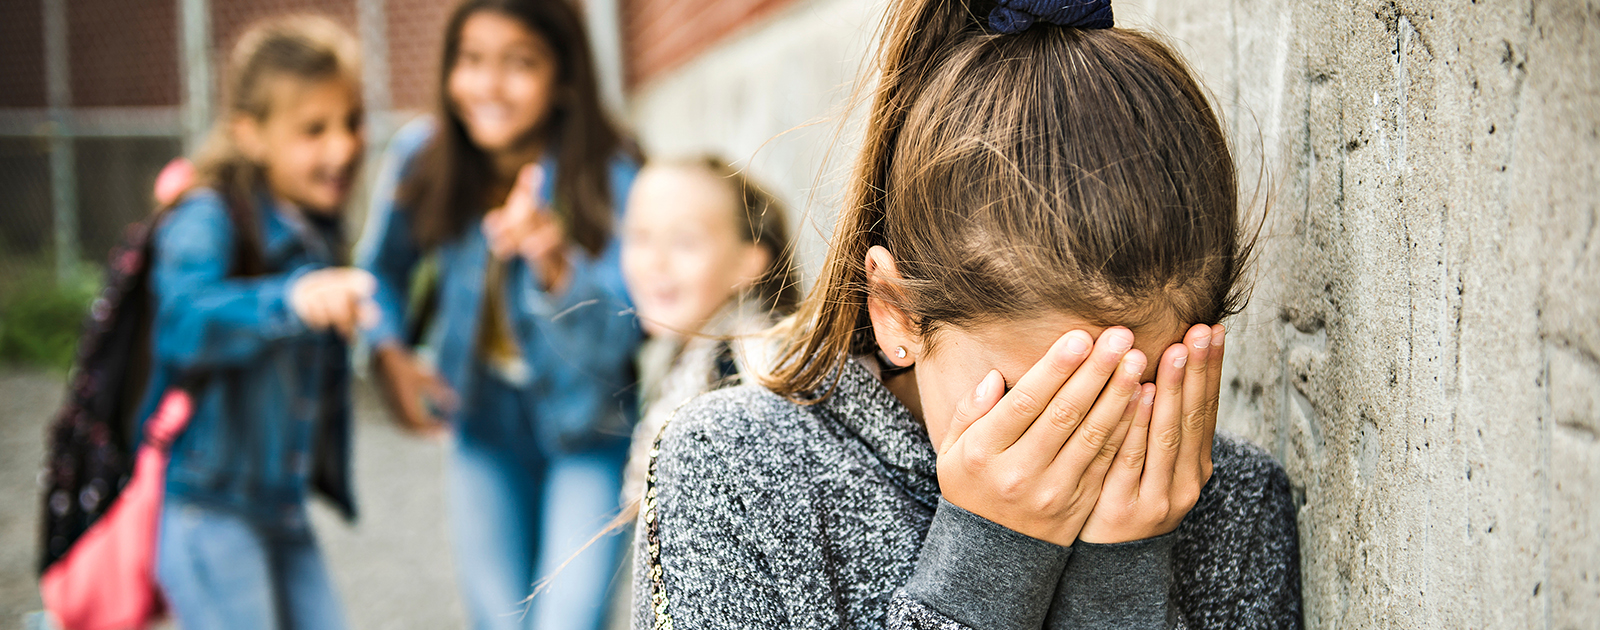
x,y
578,345
276,394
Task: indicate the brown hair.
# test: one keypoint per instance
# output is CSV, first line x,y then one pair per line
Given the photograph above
x,y
446,193
1056,169
305,48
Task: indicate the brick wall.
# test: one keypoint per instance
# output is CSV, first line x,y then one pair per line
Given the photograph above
x,y
22,82
229,18
124,53
416,40
659,35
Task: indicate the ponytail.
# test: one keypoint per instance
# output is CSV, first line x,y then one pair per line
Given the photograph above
x,y
1023,158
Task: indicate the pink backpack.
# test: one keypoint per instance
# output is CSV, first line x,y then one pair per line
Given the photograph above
x,y
106,581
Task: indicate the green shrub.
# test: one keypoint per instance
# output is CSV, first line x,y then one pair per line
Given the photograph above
x,y
41,318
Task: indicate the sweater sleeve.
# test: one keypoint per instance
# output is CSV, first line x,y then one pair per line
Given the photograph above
x,y
984,575
1232,564
698,566
1123,586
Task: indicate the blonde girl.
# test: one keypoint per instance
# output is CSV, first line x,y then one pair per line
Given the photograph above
x,y
708,261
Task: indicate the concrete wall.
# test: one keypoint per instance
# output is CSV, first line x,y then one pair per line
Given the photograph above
x,y
1423,348
775,100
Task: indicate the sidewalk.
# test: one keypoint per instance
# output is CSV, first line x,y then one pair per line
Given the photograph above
x,y
392,567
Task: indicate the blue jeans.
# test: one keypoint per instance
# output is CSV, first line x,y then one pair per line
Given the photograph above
x,y
218,570
522,518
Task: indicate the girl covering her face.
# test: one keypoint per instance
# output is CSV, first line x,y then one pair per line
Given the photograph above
x,y
997,407
511,192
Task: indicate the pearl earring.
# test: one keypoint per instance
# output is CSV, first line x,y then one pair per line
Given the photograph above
x,y
899,352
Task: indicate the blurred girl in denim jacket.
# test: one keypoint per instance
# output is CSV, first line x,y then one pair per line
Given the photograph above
x,y
513,190
250,299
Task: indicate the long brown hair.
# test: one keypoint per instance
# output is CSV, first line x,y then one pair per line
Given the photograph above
x,y
1055,169
305,48
446,192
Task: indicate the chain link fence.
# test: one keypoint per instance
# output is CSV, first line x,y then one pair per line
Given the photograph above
x,y
97,95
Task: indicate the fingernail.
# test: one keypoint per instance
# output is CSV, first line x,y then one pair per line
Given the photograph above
x,y
1076,345
1181,360
1202,343
1120,340
1133,366
985,386
1149,398
1219,338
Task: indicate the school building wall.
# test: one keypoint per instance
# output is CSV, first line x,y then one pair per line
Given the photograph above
x,y
1422,351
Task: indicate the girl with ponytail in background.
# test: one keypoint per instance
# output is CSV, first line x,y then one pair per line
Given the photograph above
x,y
252,300
997,407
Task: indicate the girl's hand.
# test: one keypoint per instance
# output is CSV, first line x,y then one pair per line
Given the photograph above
x,y
545,246
1166,459
1033,460
339,298
520,227
415,394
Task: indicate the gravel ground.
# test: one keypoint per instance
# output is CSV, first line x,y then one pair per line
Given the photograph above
x,y
392,567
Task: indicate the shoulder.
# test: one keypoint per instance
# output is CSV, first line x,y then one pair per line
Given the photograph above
x,y
747,429
1247,503
1237,555
199,218
412,137
1246,471
400,155
621,170
747,414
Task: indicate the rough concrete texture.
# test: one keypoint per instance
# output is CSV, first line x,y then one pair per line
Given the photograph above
x,y
1423,347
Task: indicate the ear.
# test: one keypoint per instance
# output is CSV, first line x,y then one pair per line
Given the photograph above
x,y
247,138
753,263
890,325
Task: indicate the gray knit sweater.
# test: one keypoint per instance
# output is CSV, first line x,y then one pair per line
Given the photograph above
x,y
762,513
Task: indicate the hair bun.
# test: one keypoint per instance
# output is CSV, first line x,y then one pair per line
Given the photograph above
x,y
1015,16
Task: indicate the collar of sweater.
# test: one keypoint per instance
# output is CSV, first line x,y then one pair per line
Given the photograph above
x,y
862,405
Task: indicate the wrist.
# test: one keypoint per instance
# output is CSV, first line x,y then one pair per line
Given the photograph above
x,y
984,574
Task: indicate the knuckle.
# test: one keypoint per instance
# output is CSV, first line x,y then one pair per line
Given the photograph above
x,y
1184,503
1066,415
1104,457
1012,486
976,460
1047,503
1024,399
1173,387
1169,439
1098,432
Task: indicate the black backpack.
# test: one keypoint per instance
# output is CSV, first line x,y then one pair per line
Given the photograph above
x,y
91,451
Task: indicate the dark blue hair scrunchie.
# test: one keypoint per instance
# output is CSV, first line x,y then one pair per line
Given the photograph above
x,y
1015,16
